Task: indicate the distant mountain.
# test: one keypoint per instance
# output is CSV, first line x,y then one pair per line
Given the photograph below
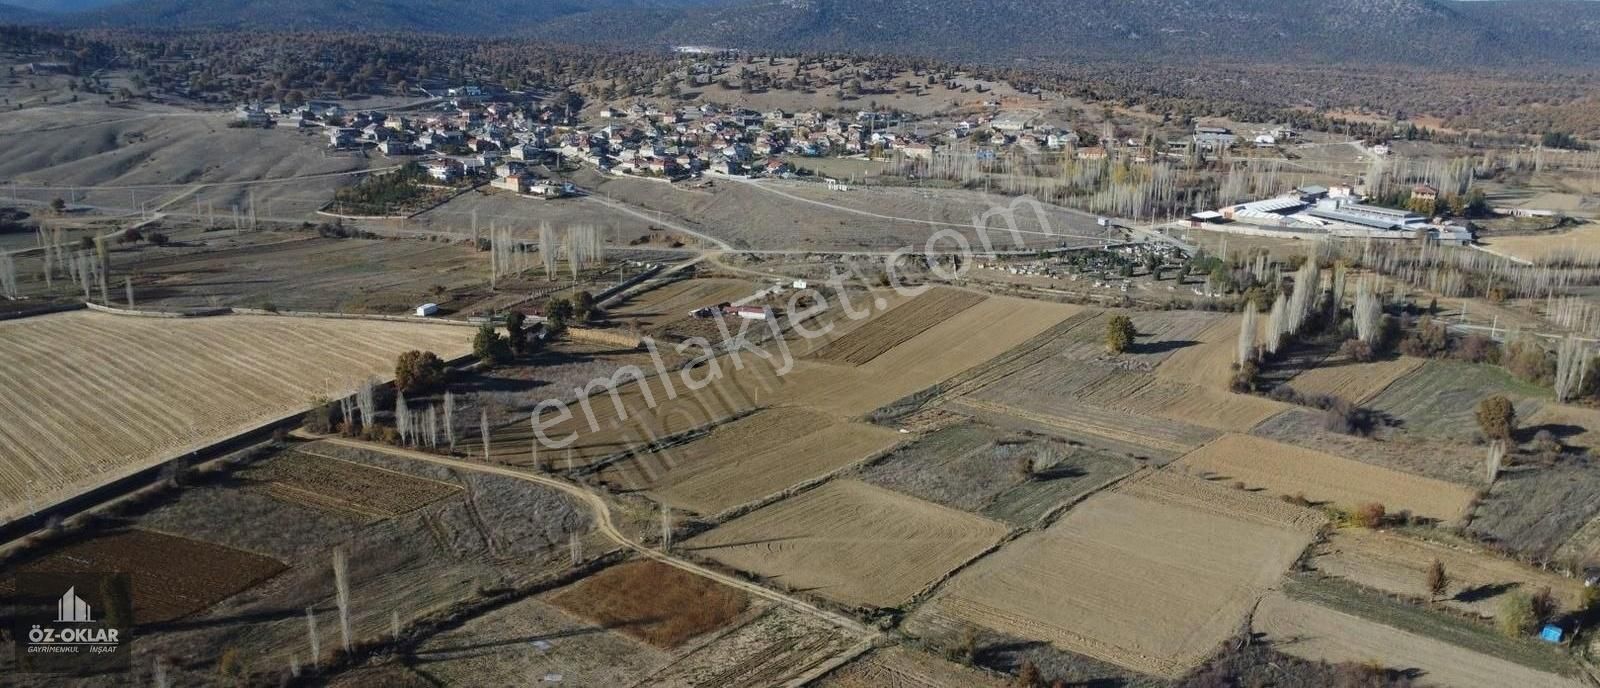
x,y
62,6
11,14
489,17
1433,32
1426,32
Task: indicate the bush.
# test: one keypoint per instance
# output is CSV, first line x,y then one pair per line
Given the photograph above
x,y
1368,515
1529,361
418,371
1476,348
1428,340
1516,617
1497,418
1357,350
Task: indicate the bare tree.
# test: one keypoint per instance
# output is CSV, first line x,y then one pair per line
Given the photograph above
x,y
450,419
402,418
1572,364
1496,455
1247,334
366,399
8,276
483,431
311,634
341,581
1368,311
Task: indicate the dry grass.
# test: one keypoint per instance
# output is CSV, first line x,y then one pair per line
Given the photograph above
x,y
1314,632
1159,574
1354,382
1398,564
898,325
1209,363
1287,470
851,542
1578,242
1574,425
89,397
659,604
657,309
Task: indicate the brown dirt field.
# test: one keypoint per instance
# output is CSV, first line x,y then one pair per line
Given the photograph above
x,y
1314,632
899,667
1165,439
1398,564
1159,575
774,649
1209,363
850,542
171,577
1354,382
898,325
740,467
651,601
1283,469
91,397
325,482
657,309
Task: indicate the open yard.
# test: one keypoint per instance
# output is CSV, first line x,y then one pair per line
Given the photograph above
x,y
171,576
90,397
1160,572
850,542
1286,470
1312,631
1399,564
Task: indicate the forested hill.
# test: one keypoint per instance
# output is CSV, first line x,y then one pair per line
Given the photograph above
x,y
1502,33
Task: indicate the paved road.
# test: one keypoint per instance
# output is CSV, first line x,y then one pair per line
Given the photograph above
x,y
602,517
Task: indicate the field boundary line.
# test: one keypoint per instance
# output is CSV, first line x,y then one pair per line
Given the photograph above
x,y
833,664
604,524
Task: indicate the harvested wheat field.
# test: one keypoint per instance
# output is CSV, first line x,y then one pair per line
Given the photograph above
x,y
171,577
884,331
1578,243
1158,336
325,482
1287,470
850,542
763,455
1145,394
1151,577
1208,363
1117,430
659,604
1397,564
900,667
90,397
1314,632
1354,382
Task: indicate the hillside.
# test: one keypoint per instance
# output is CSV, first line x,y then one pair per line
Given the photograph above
x,y
1432,32
494,17
11,14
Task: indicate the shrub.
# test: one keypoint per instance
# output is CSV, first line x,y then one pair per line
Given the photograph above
x,y
1497,418
1530,362
157,239
1516,616
1357,350
1428,340
1368,515
1476,348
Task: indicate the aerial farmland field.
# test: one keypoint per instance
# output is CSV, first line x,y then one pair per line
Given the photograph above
x,y
1202,553
91,396
850,542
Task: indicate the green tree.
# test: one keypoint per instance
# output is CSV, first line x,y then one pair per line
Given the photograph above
x,y
490,346
516,332
1497,418
1119,333
418,371
558,309
583,307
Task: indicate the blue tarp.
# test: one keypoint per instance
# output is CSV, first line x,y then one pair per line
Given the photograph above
x,y
1551,633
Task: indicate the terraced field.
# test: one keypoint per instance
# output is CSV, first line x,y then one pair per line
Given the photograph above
x,y
90,397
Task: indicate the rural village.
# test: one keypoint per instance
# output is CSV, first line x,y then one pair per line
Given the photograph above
x,y
739,369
